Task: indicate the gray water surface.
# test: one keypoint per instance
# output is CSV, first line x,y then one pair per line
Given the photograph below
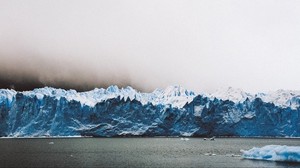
x,y
134,152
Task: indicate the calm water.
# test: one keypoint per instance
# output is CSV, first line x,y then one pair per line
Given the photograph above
x,y
134,152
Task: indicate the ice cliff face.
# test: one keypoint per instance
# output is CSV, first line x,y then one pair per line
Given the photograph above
x,y
173,111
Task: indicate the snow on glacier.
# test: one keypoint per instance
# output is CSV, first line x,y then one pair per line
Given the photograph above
x,y
273,153
232,94
176,96
7,95
282,98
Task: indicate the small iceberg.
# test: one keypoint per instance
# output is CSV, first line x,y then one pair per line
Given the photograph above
x,y
273,153
51,143
210,154
184,139
232,155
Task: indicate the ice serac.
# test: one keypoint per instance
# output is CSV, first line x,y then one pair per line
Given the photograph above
x,y
114,111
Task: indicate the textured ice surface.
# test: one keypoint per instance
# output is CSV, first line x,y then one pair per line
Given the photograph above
x,y
114,111
282,98
176,96
274,153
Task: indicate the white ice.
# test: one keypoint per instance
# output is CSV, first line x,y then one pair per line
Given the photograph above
x,y
274,153
184,139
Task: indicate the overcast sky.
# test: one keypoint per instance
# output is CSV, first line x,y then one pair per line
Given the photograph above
x,y
199,44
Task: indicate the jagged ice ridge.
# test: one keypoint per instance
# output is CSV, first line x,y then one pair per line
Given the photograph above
x,y
173,111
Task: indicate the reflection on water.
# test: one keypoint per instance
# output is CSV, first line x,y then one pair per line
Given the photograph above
x,y
135,152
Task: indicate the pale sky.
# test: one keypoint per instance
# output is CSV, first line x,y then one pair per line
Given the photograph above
x,y
200,44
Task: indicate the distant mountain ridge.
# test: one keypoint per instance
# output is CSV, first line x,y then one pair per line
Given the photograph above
x,y
174,111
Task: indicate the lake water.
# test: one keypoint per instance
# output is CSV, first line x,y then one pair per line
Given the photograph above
x,y
134,152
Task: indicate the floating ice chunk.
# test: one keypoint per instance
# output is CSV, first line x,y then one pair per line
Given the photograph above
x,y
184,139
210,154
51,143
232,155
274,153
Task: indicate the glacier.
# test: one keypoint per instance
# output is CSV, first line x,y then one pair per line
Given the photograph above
x,y
273,153
174,111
